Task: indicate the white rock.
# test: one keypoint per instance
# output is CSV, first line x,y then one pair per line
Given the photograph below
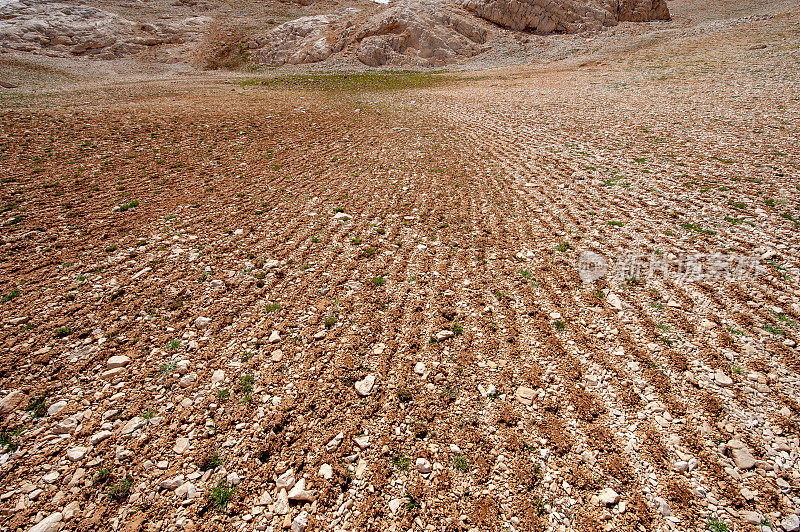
x,y
423,466
682,466
172,483
11,402
395,504
419,368
265,499
334,443
286,480
275,337
181,445
791,523
202,322
67,426
71,510
341,216
362,441
50,477
722,379
444,335
76,454
56,407
300,522
614,300
118,361
281,506
218,376
364,386
51,523
326,471
299,492
133,424
100,436
455,448
186,490
233,478
608,497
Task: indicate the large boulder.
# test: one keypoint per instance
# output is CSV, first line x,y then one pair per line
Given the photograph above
x,y
60,29
565,16
408,33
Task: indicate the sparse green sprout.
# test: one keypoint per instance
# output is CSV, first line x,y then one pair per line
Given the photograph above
x,y
697,229
356,241
716,525
63,332
411,502
559,325
102,475
526,274
457,329
272,307
564,246
222,394
379,281
401,462
315,239
9,296
168,367
37,405
210,461
221,495
148,414
330,321
127,206
615,223
461,463
173,345
246,384
120,491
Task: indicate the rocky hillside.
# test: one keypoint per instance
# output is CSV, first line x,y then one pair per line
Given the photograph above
x,y
403,33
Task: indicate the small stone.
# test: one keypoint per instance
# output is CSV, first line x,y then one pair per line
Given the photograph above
x,y
281,506
525,395
50,477
419,368
608,497
444,335
743,459
341,216
188,380
68,426
186,490
276,355
682,466
119,361
76,454
233,478
754,518
275,337
791,523
663,507
56,407
218,376
172,483
51,523
722,379
395,504
100,436
286,480
299,492
423,466
201,322
334,443
362,441
265,499
364,386
455,448
71,510
326,471
12,402
300,522
133,425
181,445
614,301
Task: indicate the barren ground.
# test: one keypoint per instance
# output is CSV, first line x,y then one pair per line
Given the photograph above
x,y
469,200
